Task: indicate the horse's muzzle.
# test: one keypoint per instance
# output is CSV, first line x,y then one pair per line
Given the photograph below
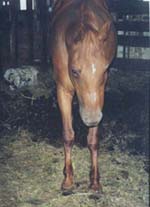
x,y
91,118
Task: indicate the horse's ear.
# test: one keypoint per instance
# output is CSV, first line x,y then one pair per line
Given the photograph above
x,y
104,31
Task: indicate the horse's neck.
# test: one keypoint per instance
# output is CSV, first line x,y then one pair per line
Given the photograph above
x,y
62,5
100,2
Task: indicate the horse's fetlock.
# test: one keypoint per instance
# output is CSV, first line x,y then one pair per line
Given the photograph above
x,y
68,171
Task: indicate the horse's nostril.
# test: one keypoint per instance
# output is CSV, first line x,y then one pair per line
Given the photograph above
x,y
90,117
91,124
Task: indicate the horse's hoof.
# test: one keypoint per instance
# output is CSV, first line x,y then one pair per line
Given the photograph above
x,y
66,186
67,189
97,188
67,192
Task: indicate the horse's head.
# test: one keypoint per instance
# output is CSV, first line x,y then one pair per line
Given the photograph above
x,y
87,70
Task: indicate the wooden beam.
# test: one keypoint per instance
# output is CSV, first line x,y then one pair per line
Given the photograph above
x,y
134,41
14,33
130,7
136,26
131,64
30,30
44,29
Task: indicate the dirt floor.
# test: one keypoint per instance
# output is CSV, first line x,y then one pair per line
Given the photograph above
x,y
31,148
31,174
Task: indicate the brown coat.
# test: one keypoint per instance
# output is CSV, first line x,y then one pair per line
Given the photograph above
x,y
83,46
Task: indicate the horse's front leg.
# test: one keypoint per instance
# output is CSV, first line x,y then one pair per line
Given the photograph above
x,y
93,147
65,105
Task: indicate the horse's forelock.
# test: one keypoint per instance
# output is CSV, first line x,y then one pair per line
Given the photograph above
x,y
85,25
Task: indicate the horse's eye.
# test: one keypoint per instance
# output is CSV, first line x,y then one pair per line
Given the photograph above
x,y
76,73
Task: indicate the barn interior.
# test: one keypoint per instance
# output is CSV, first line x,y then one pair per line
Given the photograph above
x,y
31,146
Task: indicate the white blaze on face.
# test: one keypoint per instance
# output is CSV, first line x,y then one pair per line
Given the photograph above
x,y
93,97
93,68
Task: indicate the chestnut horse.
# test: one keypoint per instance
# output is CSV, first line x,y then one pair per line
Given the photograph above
x,y
83,46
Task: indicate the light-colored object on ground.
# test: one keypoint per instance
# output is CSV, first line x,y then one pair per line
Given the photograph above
x,y
24,76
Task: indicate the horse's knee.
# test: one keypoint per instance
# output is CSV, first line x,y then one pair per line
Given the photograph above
x,y
68,134
92,140
93,147
68,137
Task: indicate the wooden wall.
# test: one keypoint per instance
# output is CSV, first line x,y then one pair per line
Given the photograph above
x,y
24,35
